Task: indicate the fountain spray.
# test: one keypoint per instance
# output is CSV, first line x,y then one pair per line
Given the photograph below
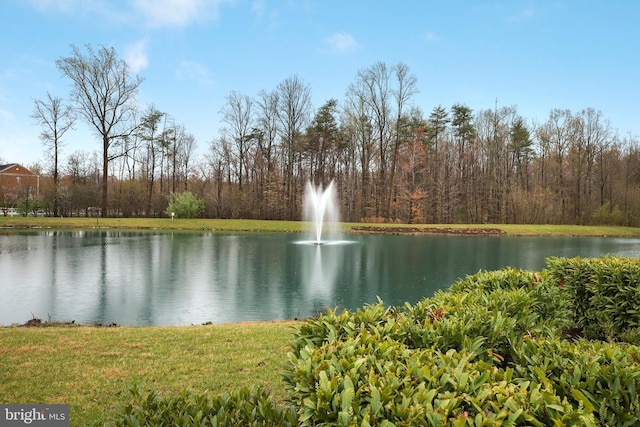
x,y
321,208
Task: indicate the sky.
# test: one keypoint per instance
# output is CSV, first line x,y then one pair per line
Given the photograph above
x,y
535,55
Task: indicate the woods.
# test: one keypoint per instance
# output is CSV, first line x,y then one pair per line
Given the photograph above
x,y
391,160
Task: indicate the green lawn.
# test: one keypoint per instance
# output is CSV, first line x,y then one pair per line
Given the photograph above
x,y
90,368
152,224
297,226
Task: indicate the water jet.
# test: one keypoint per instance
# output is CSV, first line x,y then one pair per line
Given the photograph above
x,y
321,209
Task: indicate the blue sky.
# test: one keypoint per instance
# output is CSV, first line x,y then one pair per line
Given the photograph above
x,y
537,55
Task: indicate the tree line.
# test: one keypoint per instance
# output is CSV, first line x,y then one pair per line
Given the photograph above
x,y
390,161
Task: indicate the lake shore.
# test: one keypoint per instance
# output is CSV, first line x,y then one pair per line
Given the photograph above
x,y
242,225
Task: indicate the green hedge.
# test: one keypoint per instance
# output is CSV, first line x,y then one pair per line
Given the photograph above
x,y
489,351
604,294
499,348
601,377
245,407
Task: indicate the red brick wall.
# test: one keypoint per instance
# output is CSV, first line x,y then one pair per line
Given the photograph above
x,y
17,181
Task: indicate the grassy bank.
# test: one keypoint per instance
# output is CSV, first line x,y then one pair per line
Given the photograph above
x,y
91,368
298,226
152,224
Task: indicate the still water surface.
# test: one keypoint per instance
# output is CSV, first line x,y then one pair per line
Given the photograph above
x,y
181,278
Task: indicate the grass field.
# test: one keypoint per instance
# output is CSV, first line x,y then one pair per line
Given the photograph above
x,y
297,226
90,368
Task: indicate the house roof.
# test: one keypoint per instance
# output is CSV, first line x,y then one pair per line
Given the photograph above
x,y
7,166
18,169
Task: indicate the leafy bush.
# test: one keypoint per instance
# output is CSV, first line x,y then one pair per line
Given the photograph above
x,y
30,206
603,293
185,205
490,351
353,383
550,301
246,407
607,215
601,377
488,281
370,370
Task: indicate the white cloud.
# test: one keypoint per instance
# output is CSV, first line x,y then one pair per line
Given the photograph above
x,y
101,8
269,17
136,56
192,70
258,7
431,37
64,6
178,13
341,43
525,14
151,13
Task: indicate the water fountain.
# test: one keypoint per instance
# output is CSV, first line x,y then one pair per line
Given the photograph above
x,y
321,263
321,209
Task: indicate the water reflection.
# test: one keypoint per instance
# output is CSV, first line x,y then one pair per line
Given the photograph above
x,y
144,278
319,267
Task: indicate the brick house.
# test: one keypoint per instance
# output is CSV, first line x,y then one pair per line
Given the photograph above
x,y
16,183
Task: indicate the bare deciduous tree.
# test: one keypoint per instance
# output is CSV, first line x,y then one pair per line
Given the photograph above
x,y
237,113
372,91
294,110
104,92
56,119
403,91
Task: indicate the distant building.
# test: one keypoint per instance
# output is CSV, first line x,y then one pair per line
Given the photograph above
x,y
16,183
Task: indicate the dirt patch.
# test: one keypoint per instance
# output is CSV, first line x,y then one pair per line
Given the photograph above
x,y
33,322
460,231
39,323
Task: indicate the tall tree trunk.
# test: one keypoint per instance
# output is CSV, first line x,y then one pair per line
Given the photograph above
x,y
105,175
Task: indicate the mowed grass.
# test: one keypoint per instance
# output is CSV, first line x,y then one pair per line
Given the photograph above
x,y
296,226
152,224
91,368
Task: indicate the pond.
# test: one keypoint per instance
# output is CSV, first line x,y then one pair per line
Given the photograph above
x,y
182,278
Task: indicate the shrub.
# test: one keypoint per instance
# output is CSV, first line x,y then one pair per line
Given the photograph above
x,y
360,374
245,407
601,377
550,301
607,215
353,383
603,295
488,281
490,351
185,205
